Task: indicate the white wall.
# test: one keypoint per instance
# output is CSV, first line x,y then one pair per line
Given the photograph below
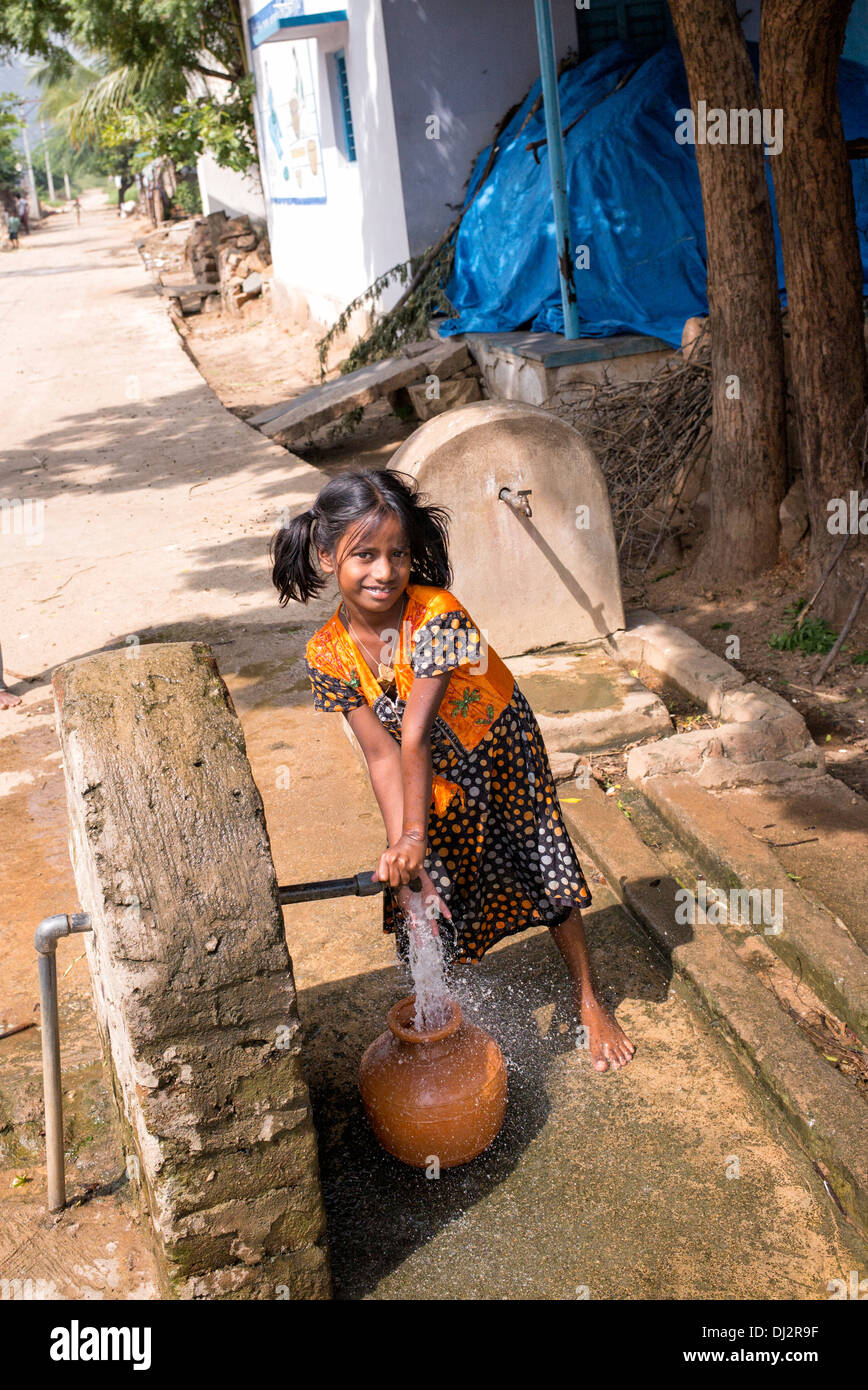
x,y
326,252
224,190
465,62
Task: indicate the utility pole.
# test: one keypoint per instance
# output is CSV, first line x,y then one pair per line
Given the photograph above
x,y
35,214
48,177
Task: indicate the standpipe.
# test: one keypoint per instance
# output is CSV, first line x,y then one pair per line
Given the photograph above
x,y
47,935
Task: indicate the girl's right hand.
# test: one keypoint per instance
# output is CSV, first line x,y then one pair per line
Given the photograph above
x,y
431,901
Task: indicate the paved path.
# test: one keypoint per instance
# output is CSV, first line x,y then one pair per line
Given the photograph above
x,y
158,506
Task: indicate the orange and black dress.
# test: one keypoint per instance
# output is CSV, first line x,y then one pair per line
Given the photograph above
x,y
498,851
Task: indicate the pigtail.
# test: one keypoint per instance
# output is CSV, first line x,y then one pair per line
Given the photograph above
x,y
293,573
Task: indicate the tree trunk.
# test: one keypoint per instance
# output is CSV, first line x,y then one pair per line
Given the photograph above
x,y
800,45
749,451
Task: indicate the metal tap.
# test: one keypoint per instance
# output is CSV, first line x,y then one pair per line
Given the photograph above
x,y
517,500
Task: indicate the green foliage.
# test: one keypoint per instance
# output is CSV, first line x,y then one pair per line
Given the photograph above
x,y
187,196
163,78
10,125
814,635
407,324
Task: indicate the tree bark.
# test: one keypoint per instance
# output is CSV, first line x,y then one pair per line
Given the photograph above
x,y
749,450
800,45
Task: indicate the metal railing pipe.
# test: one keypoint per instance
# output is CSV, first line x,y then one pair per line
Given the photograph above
x,y
47,935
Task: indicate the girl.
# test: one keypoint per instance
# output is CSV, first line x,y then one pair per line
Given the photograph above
x,y
455,755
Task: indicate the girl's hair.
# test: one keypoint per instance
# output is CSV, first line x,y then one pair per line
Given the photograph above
x,y
360,500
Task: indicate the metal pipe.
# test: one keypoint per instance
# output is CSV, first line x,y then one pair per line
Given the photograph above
x,y
46,937
557,168
360,885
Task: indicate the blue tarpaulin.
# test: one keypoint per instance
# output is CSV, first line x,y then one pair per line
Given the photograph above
x,y
635,203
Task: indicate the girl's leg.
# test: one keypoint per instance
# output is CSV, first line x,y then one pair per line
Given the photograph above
x,y
610,1046
7,699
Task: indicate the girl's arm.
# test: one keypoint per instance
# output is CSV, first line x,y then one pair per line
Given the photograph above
x,y
423,702
383,757
402,776
385,775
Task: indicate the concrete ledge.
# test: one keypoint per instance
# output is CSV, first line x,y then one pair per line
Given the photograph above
x,y
674,655
761,733
821,1107
812,942
584,700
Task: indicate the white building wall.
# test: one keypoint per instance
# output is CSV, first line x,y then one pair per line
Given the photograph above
x,y
223,190
332,231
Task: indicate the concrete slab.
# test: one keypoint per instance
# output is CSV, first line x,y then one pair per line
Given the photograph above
x,y
297,418
547,369
819,833
812,941
821,1106
583,700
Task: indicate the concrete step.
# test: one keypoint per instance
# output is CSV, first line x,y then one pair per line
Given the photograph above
x,y
812,940
302,414
584,700
822,1107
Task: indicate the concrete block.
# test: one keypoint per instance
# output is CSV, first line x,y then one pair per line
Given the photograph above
x,y
561,577
192,981
457,391
307,412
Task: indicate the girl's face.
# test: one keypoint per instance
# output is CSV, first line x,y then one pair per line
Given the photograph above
x,y
373,572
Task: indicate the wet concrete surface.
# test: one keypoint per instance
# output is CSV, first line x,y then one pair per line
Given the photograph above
x,y
665,1180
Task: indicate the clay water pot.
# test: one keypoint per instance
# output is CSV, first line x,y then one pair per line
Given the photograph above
x,y
437,1094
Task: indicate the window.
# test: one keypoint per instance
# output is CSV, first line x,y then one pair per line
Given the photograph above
x,y
645,23
343,94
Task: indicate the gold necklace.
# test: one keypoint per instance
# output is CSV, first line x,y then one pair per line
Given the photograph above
x,y
385,674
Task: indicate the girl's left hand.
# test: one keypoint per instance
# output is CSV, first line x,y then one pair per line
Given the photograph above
x,y
401,861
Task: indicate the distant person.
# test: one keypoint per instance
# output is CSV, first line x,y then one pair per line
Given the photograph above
x,y
13,225
7,699
77,206
23,211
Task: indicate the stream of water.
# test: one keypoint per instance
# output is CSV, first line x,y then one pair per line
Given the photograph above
x,y
428,970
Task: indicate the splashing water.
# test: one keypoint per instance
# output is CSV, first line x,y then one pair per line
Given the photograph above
x,y
427,968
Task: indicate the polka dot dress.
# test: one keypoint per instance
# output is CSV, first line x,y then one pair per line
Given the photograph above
x,y
505,862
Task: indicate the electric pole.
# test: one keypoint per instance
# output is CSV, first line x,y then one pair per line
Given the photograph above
x,y
48,177
35,214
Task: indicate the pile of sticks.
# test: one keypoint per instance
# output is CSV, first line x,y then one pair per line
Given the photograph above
x,y
648,437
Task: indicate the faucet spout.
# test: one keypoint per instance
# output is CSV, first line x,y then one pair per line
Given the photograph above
x,y
517,500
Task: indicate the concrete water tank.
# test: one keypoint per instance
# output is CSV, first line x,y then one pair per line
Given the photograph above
x,y
531,581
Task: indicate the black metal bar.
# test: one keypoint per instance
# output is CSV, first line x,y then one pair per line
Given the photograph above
x,y
360,885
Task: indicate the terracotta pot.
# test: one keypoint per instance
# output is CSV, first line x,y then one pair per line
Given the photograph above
x,y
439,1094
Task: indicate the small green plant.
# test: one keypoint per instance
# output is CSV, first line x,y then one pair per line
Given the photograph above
x,y
814,635
859,658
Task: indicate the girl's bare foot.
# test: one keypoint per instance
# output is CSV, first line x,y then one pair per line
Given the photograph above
x,y
8,700
609,1045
